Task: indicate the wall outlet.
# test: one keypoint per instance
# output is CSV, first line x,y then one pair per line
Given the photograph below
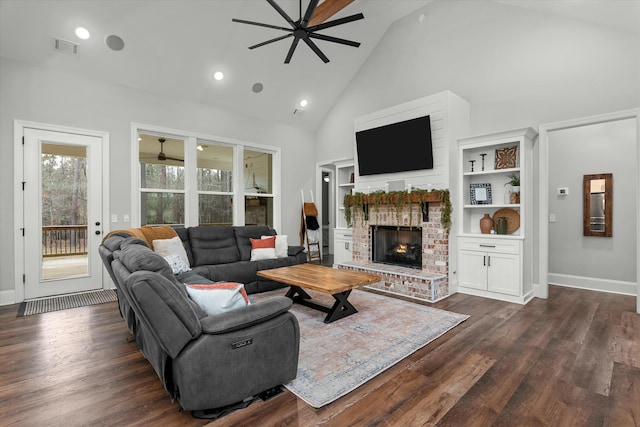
x,y
125,217
552,217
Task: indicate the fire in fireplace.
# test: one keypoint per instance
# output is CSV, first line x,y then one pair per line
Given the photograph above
x,y
403,246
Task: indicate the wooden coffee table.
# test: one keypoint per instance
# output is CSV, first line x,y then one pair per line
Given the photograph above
x,y
332,281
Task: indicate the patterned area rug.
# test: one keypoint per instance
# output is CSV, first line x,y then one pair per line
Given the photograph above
x,y
338,357
45,305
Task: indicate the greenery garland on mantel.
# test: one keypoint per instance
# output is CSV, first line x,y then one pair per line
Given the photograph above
x,y
399,199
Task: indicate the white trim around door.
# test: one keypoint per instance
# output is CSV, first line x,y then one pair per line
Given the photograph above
x,y
541,289
20,127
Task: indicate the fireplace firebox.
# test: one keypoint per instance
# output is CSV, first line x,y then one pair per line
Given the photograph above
x,y
397,246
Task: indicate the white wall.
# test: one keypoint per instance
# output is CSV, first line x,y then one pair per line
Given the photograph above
x,y
517,68
43,95
595,149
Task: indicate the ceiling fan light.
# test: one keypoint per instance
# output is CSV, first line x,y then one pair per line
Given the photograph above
x,y
304,103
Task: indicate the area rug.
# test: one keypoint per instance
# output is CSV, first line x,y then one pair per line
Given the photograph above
x,y
338,357
45,305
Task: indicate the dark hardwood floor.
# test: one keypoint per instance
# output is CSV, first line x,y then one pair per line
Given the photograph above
x,y
571,360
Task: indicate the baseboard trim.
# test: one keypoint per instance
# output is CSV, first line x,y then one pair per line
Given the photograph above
x,y
593,284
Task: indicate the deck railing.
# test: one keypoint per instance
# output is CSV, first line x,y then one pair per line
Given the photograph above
x,y
63,240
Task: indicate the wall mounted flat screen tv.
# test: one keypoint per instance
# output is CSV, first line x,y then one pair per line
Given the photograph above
x,y
398,147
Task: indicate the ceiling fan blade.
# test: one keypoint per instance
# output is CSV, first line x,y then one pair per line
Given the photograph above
x,y
292,49
335,22
309,13
271,41
175,159
315,48
282,13
327,9
334,39
260,24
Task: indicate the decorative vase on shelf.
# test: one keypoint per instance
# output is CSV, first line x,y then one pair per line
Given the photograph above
x,y
486,224
515,198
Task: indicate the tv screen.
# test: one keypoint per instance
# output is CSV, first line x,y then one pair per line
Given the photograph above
x,y
398,147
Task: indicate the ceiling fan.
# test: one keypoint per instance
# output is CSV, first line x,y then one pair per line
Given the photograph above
x,y
300,30
162,156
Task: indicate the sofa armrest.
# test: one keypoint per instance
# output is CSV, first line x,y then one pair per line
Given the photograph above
x,y
245,317
295,250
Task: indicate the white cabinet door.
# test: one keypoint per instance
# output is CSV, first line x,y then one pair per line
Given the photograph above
x,y
472,270
341,251
503,273
342,238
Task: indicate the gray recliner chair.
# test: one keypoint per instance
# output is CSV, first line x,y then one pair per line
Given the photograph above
x,y
204,361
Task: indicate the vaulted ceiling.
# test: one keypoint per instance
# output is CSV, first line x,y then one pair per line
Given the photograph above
x,y
173,47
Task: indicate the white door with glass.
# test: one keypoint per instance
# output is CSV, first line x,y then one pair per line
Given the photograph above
x,y
62,213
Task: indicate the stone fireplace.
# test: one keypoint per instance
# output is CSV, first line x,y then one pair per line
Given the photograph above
x,y
426,279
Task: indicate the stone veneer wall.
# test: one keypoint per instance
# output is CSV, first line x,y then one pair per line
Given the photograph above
x,y
429,284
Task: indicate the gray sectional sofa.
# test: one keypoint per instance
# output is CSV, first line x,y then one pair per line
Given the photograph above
x,y
206,361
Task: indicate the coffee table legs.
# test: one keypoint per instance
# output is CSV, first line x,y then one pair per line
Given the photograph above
x,y
341,307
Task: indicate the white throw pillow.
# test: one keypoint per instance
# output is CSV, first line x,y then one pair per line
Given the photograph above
x,y
168,247
177,264
263,248
216,298
282,246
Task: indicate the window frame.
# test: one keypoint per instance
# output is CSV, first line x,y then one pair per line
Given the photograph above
x,y
191,191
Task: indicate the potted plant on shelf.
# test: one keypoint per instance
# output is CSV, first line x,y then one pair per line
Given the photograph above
x,y
514,181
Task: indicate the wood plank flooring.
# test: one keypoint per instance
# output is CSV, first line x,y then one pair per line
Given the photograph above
x,y
571,360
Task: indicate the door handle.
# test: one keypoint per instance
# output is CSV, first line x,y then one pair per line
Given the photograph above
x,y
98,232
489,261
484,260
98,223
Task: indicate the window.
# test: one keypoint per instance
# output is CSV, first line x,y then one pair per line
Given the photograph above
x,y
215,184
258,184
162,180
203,181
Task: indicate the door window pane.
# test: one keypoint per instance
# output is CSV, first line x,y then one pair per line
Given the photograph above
x,y
64,211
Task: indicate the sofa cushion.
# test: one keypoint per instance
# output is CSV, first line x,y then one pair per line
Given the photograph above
x,y
263,248
136,256
241,271
216,298
268,264
213,245
244,233
183,233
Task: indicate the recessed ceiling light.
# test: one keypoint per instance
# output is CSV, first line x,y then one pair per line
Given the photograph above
x,y
218,75
304,103
82,33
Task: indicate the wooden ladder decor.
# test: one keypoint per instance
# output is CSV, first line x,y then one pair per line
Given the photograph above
x,y
310,230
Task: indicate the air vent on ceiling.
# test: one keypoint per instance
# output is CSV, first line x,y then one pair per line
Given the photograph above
x,y
65,46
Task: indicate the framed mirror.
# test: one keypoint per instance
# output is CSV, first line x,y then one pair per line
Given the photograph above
x,y
597,205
